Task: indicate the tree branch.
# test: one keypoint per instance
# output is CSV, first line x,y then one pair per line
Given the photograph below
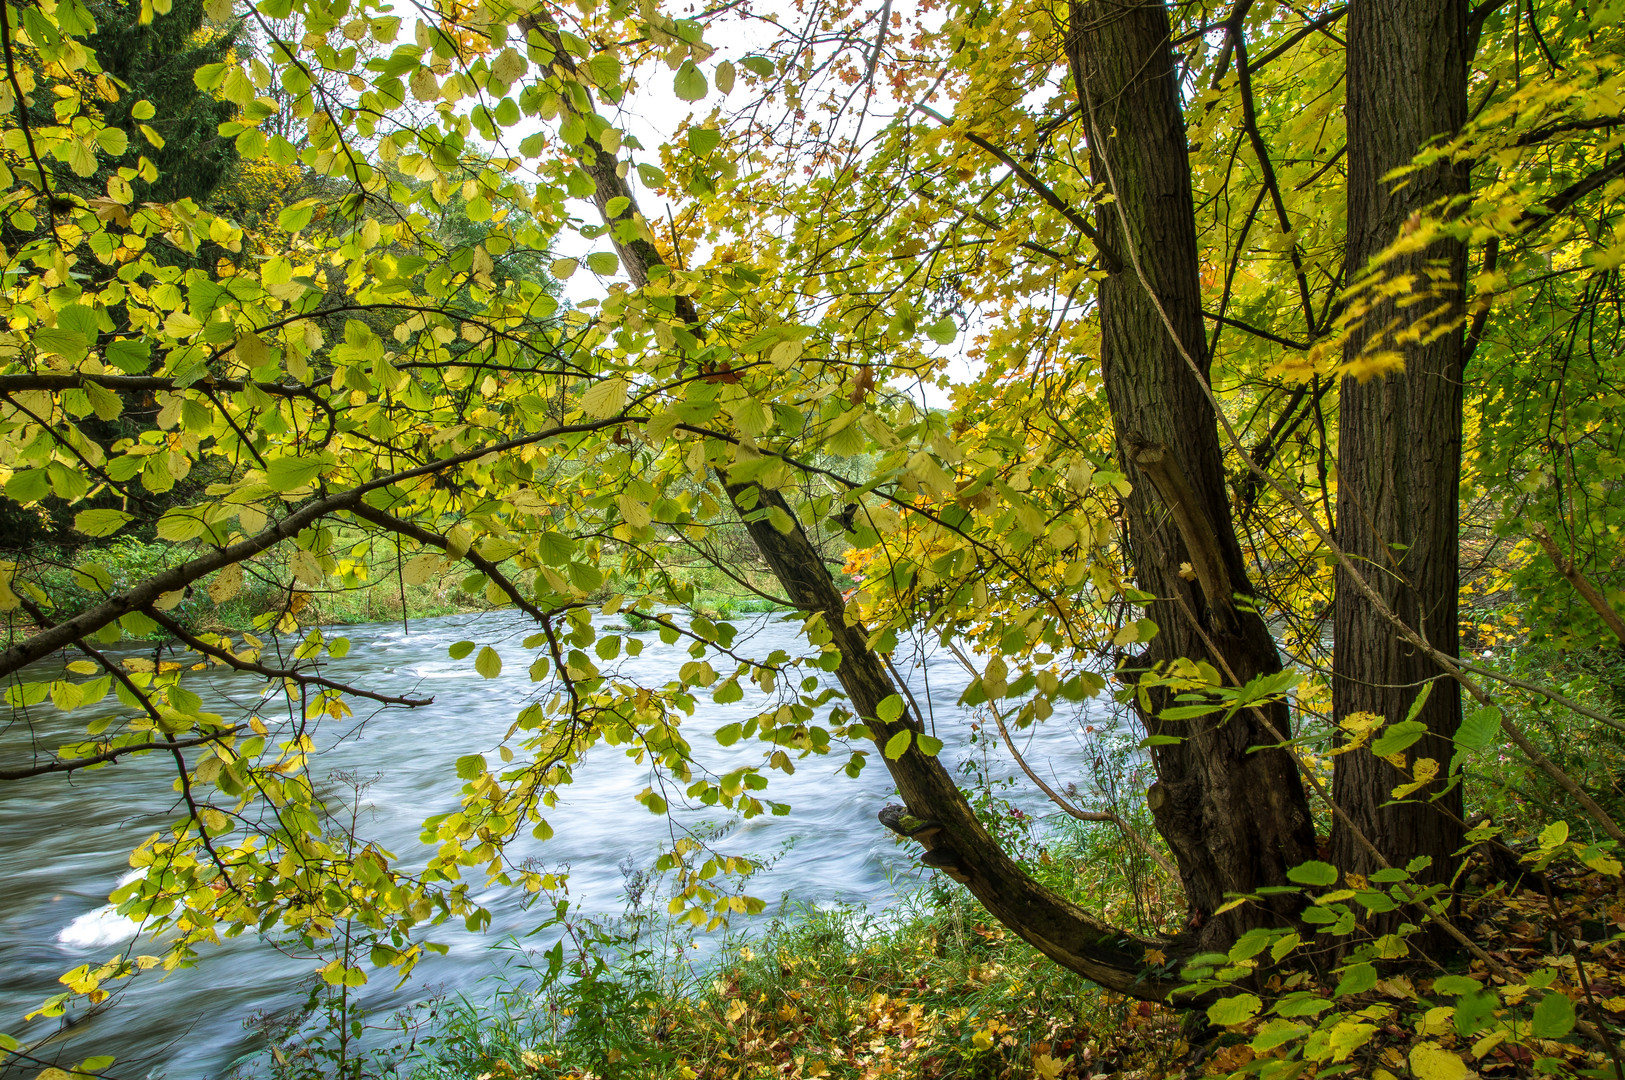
x,y
1582,584
59,635
231,659
1054,796
63,765
1042,190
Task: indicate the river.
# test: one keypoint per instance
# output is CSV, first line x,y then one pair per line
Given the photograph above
x,y
65,840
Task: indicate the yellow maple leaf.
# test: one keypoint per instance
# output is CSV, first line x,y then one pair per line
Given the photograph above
x,y
1047,1068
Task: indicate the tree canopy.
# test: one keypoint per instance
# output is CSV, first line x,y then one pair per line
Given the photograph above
x,y
1134,350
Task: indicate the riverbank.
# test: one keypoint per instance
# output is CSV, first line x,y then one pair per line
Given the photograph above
x,y
932,988
926,987
364,584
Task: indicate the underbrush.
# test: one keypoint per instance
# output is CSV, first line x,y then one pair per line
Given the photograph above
x,y
931,987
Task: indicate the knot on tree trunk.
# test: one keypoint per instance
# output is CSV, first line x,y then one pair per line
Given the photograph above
x,y
939,855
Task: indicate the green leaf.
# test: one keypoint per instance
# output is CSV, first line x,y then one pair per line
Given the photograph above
x,y
470,765
1188,712
703,140
1357,979
488,663
889,709
128,355
1554,834
1230,1011
604,398
1398,737
68,344
1313,873
898,744
603,69
1419,701
554,548
460,649
1479,728
1456,985
1275,1033
29,485
729,734
943,331
297,216
928,745
289,473
101,522
689,83
1554,1017
603,263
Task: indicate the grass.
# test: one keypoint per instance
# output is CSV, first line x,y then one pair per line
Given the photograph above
x,y
931,987
933,990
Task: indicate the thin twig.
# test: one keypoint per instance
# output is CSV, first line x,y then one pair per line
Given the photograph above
x,y
1054,796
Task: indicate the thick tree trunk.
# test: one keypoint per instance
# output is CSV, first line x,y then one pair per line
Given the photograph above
x,y
1234,814
1399,436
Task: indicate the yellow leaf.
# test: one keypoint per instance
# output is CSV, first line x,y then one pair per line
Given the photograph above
x,y
604,398
1430,1062
1422,773
1047,1068
420,568
634,511
226,583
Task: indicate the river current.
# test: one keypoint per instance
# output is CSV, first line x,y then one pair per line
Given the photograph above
x,y
65,840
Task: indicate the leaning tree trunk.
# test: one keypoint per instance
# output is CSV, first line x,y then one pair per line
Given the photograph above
x,y
1399,436
1233,812
945,822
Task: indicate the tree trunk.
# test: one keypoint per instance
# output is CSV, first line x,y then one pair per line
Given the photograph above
x,y
957,843
1235,816
1399,436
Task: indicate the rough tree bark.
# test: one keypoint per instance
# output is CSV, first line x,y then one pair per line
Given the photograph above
x,y
1233,810
1399,436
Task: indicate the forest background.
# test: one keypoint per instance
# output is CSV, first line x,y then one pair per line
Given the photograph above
x,y
1293,338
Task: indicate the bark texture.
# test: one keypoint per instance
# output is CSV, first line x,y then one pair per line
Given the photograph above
x,y
1233,811
1399,436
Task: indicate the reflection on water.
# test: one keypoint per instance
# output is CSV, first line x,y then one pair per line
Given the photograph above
x,y
67,839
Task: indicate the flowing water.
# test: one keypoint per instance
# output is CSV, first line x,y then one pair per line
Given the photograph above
x,y
65,840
